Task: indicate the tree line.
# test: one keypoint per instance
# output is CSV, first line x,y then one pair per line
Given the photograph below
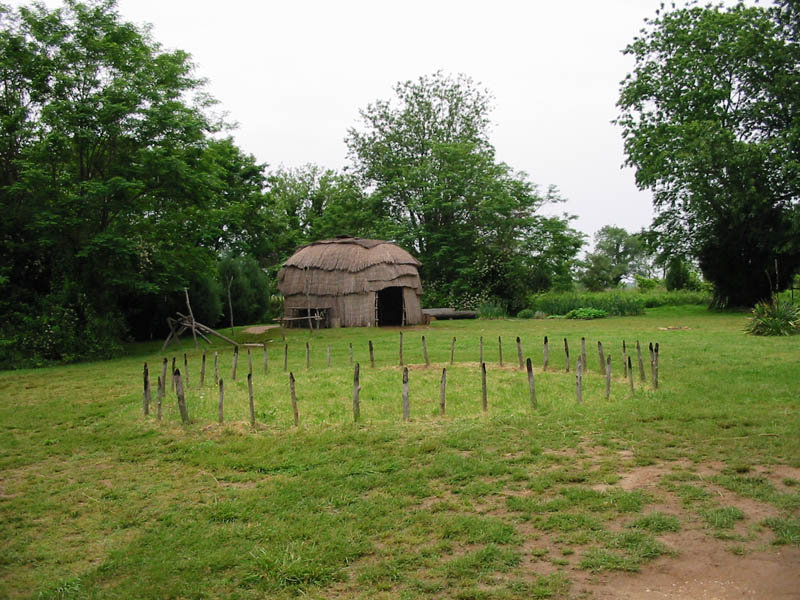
x,y
120,186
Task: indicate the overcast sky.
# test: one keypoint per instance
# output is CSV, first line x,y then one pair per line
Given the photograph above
x,y
294,75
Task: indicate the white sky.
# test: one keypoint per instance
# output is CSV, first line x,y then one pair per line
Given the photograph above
x,y
294,74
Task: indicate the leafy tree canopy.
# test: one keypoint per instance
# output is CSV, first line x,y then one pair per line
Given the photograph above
x,y
711,123
617,255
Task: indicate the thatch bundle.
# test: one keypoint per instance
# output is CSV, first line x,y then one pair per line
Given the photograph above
x,y
344,275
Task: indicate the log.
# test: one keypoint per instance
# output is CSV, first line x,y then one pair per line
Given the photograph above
x,y
146,391
221,402
371,355
601,356
519,353
425,352
546,353
531,383
181,397
294,400
252,400
484,396
356,392
608,377
443,391
406,405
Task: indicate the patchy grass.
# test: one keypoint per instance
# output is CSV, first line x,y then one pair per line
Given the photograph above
x,y
98,501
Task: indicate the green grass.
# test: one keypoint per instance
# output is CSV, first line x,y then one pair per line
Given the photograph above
x,y
98,501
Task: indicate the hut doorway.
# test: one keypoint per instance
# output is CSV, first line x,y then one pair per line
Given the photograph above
x,y
389,306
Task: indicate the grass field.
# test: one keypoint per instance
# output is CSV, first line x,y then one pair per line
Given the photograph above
x,y
98,501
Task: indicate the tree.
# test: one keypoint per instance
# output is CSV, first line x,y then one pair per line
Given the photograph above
x,y
617,255
710,122
432,172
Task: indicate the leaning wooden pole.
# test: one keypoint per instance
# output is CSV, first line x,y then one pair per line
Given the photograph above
x,y
181,397
194,326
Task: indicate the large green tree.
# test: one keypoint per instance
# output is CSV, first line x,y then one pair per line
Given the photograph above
x,y
711,123
426,158
617,254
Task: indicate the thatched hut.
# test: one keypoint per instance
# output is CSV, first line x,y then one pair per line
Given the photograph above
x,y
352,282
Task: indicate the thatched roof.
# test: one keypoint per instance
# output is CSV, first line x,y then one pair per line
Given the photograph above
x,y
348,266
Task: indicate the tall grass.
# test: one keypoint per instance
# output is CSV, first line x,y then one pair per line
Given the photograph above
x,y
620,303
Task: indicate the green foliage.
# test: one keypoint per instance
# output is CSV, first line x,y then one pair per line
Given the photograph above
x,y
617,254
678,298
614,303
586,313
678,274
492,310
706,123
526,313
645,284
657,522
775,317
249,289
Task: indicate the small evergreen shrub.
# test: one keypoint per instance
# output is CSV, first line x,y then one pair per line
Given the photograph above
x,y
525,313
586,313
776,317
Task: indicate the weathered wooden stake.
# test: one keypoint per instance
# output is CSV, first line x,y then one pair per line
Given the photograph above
x,y
406,406
172,383
624,360
294,400
356,390
235,362
499,350
181,398
186,369
425,352
608,377
655,367
583,352
484,398
401,348
308,355
546,353
519,353
266,359
641,363
252,400
221,403
652,365
443,391
371,355
480,356
566,353
159,397
146,391
163,377
203,369
285,357
579,380
630,374
531,383
601,356
249,362
216,368
452,350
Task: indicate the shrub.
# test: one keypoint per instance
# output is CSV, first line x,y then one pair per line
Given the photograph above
x,y
539,315
644,284
491,310
617,303
586,313
525,313
776,317
676,298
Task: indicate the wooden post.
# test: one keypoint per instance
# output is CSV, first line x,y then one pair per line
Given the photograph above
x,y
652,364
546,353
252,400
146,391
371,355
172,383
579,380
329,356
583,352
630,374
519,353
216,368
443,391
221,403
181,398
194,329
602,357
425,352
480,356
655,367
531,383
624,360
608,377
294,400
641,364
186,369
566,353
452,350
249,362
160,397
308,355
163,377
351,353
484,398
406,406
266,359
401,348
203,369
356,390
285,357
235,361
499,350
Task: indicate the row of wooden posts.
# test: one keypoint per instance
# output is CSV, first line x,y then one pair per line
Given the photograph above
x,y
178,381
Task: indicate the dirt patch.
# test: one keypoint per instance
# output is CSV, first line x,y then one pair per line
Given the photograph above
x,y
260,329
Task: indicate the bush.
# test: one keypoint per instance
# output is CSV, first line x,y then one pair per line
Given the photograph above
x,y
676,298
491,310
776,317
586,313
525,313
644,284
615,303
539,315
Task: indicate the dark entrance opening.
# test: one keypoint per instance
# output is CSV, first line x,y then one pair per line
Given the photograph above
x,y
389,306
